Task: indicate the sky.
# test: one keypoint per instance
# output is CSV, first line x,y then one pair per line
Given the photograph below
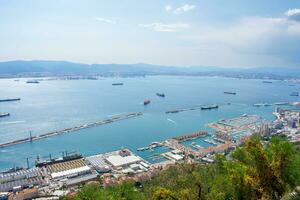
x,y
224,33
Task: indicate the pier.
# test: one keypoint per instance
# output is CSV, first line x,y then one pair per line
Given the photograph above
x,y
68,130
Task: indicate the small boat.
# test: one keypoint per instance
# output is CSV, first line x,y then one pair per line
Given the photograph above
x,y
160,94
32,81
146,102
117,84
209,107
232,93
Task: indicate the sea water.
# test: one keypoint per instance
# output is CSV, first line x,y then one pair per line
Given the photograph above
x,y
57,104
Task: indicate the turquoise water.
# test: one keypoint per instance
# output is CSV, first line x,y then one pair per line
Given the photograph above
x,y
58,104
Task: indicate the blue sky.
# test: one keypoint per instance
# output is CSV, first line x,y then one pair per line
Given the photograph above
x,y
226,33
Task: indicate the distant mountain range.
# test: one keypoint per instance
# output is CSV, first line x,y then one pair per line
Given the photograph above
x,y
64,68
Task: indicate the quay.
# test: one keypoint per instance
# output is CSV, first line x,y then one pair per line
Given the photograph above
x,y
190,136
13,99
68,130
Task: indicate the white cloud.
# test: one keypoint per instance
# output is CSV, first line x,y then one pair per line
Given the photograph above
x,y
184,8
258,40
293,14
108,21
168,8
161,27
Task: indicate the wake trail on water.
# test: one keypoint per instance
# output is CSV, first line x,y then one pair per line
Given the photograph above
x,y
13,122
172,121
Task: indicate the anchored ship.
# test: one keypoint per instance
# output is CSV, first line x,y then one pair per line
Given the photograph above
x,y
146,102
118,84
32,81
14,99
209,107
267,82
160,94
233,93
294,94
4,114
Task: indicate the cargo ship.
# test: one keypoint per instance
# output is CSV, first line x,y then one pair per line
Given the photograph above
x,y
172,111
32,81
43,163
267,82
117,84
160,94
4,114
146,102
209,107
14,99
281,103
233,93
294,94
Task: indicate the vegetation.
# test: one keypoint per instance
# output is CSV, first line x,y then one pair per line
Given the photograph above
x,y
253,171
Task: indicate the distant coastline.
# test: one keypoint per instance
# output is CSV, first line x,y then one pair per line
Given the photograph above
x,y
63,69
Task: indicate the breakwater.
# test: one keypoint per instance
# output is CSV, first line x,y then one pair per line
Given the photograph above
x,y
68,130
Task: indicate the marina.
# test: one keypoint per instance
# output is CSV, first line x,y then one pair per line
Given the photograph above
x,y
68,130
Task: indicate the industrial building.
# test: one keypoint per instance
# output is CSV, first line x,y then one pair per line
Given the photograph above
x,y
121,161
15,181
71,172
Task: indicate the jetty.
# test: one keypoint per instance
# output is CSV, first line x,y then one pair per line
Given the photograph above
x,y
12,99
68,130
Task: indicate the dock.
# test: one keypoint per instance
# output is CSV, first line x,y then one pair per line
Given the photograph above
x,y
12,99
73,129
